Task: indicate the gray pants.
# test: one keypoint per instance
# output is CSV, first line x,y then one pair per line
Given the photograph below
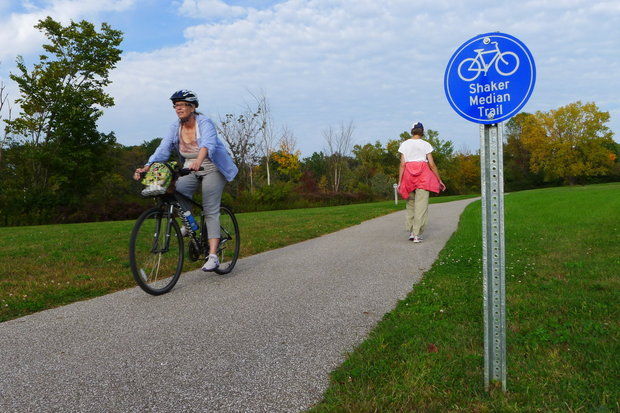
x,y
212,188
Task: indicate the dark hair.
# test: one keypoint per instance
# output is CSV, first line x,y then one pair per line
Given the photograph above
x,y
417,131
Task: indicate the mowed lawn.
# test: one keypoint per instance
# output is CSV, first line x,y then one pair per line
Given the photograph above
x,y
563,290
51,265
563,295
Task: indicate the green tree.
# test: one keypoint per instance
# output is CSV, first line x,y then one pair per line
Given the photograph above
x,y
315,163
149,147
61,99
314,169
393,159
570,143
371,160
443,150
67,84
517,172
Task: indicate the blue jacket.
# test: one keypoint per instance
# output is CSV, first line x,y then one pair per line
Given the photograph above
x,y
216,150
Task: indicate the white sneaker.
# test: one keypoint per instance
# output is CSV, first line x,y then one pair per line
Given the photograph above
x,y
417,238
212,263
411,237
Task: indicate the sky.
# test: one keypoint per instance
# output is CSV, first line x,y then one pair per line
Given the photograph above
x,y
321,63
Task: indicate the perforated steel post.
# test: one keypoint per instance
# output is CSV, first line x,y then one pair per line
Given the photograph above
x,y
493,254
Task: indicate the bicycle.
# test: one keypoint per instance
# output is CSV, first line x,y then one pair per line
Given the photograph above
x,y
156,246
478,65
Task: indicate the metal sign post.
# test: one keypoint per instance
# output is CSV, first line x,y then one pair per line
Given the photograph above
x,y
488,80
493,254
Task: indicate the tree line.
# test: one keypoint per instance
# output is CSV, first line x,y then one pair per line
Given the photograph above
x,y
56,167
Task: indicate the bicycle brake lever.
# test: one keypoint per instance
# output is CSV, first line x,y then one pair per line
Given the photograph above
x,y
187,171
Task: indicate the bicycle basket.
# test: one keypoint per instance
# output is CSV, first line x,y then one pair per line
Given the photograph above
x,y
158,178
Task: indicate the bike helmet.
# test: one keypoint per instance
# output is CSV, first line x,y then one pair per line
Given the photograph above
x,y
184,95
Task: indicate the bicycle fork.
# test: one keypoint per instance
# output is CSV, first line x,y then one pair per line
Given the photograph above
x,y
157,233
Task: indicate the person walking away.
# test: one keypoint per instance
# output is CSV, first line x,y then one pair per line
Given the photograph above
x,y
194,138
417,176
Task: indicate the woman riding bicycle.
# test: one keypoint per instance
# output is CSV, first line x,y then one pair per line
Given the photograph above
x,y
194,138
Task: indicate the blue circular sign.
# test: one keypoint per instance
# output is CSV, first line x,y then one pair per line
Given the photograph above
x,y
490,78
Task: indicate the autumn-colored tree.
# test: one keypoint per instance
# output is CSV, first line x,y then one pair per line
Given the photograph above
x,y
463,176
569,143
286,162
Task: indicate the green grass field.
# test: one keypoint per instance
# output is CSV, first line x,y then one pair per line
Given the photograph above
x,y
563,295
562,270
51,265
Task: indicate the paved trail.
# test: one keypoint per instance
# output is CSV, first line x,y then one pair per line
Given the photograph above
x,y
263,339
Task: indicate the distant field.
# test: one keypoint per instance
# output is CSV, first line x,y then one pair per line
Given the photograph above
x,y
563,302
50,265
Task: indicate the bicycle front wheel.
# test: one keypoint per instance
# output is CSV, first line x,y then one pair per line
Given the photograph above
x,y
228,248
156,251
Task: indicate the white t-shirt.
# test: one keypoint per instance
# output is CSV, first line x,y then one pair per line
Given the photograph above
x,y
415,150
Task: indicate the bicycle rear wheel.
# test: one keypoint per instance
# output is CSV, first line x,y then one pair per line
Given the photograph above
x,y
228,249
156,251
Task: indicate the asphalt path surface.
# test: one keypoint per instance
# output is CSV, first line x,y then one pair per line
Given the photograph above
x,y
263,339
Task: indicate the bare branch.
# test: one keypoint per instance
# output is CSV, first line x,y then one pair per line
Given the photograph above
x,y
266,129
338,147
5,135
288,142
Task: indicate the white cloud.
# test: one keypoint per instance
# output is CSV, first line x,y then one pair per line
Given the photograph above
x,y
210,9
17,32
380,64
308,56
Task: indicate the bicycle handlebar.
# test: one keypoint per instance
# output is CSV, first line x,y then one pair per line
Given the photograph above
x,y
187,171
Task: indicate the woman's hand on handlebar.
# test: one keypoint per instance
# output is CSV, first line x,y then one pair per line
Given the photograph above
x,y
194,166
137,175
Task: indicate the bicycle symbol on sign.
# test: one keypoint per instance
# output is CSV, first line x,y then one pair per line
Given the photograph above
x,y
506,63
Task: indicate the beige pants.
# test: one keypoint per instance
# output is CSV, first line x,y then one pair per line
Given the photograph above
x,y
417,211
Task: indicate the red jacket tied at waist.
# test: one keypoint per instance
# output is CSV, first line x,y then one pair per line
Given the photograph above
x,y
418,175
